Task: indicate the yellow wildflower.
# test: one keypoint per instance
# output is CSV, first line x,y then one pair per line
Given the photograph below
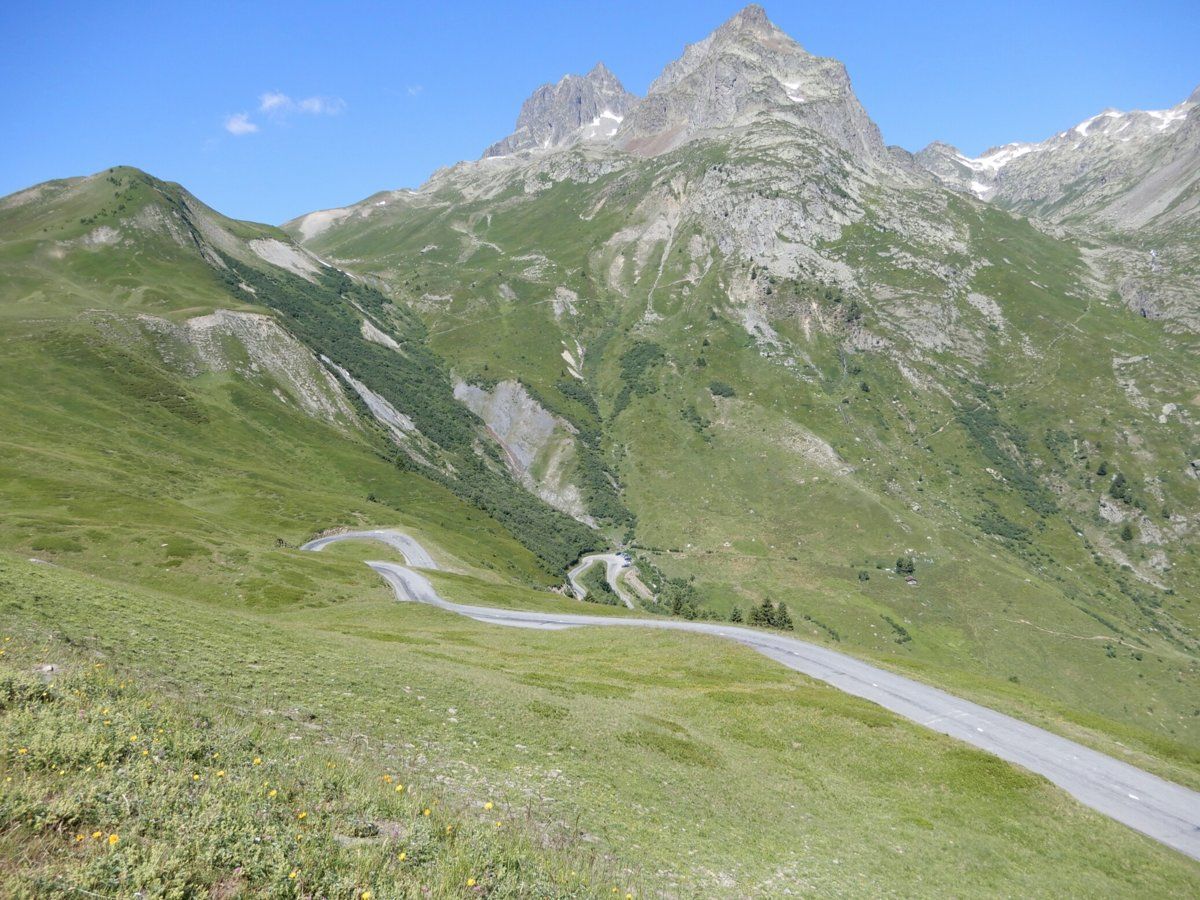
x,y
23,751
258,761
195,778
470,882
301,815
403,856
133,739
96,835
272,792
488,805
399,789
112,839
292,874
220,773
426,812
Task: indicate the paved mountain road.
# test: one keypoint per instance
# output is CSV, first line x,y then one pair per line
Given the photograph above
x,y
1167,812
413,552
613,565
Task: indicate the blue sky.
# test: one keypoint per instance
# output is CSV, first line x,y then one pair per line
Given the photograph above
x,y
370,96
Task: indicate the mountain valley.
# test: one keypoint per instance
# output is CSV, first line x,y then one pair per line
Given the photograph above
x,y
946,410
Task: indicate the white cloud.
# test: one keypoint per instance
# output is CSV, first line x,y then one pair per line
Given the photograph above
x,y
240,124
273,100
322,106
414,89
277,103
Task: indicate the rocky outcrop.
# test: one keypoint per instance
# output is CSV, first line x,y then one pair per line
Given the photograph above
x,y
539,447
255,347
576,108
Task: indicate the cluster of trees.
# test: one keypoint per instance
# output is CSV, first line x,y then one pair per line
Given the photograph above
x,y
906,565
1121,489
765,615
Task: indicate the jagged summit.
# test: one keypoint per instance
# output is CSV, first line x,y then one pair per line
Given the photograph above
x,y
746,67
575,108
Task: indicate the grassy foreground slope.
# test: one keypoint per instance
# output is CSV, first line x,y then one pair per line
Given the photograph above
x,y
651,766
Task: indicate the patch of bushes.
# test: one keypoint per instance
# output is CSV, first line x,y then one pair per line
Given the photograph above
x,y
902,635
992,521
699,424
636,364
987,430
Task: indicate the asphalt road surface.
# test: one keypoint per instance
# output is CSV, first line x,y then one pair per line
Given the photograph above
x,y
1167,812
613,564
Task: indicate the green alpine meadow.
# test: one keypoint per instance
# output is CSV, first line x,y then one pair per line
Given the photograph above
x,y
847,499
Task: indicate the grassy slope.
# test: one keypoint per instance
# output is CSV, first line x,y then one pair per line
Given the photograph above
x,y
715,772
162,501
1032,623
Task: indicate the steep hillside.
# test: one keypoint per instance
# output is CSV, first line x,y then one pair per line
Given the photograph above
x,y
122,270
803,360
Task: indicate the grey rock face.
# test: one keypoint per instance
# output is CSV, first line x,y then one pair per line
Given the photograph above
x,y
1121,169
744,70
576,108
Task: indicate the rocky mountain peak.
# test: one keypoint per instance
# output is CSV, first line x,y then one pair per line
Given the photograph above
x,y
575,108
1121,168
745,68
